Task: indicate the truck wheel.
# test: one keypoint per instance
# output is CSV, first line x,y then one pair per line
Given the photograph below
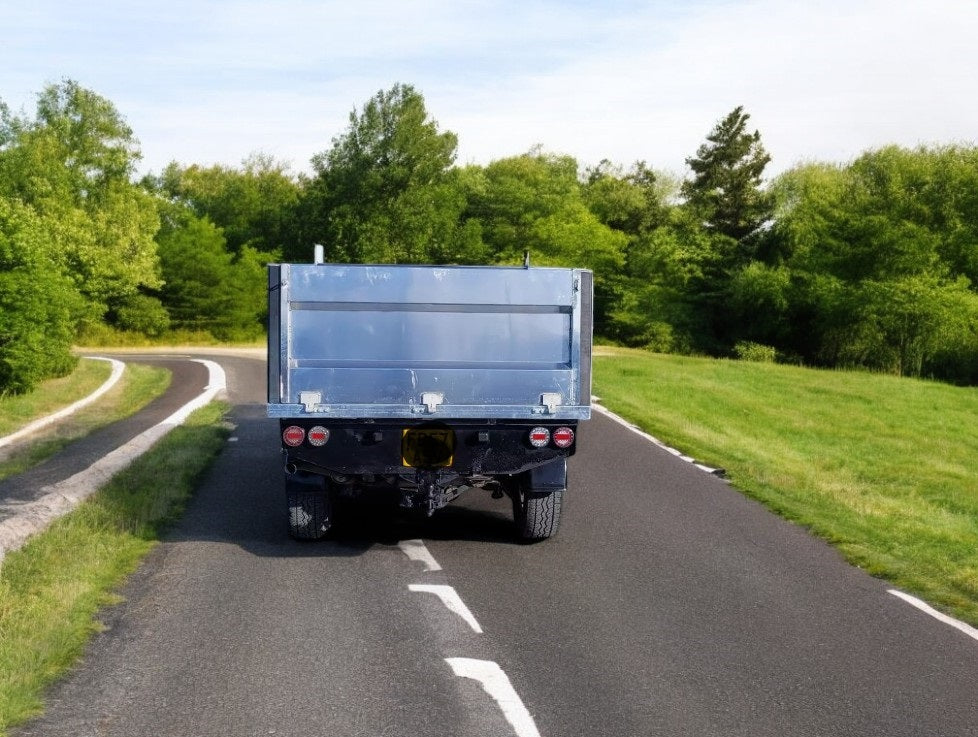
x,y
310,506
537,513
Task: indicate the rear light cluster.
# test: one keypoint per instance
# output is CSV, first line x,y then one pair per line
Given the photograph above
x,y
294,436
562,437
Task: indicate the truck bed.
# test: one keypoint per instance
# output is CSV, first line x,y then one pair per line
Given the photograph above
x,y
425,342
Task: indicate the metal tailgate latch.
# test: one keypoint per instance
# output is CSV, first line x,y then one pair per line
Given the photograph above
x,y
431,400
550,401
310,400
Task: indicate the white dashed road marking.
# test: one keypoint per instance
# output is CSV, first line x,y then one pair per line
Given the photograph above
x,y
452,601
415,550
495,683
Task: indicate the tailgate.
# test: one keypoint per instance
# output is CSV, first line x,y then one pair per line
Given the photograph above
x,y
354,341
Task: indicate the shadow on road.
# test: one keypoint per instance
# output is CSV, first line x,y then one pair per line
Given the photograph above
x,y
242,502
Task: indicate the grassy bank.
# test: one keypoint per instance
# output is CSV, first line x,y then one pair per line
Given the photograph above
x,y
884,468
20,409
138,386
51,589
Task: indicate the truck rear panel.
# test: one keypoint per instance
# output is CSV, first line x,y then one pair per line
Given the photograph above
x,y
429,343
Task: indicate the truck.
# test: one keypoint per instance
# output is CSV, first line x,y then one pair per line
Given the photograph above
x,y
420,383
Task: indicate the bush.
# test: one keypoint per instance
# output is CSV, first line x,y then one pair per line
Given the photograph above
x,y
747,350
142,314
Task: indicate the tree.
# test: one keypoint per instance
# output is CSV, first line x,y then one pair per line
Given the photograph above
x,y
37,302
633,201
196,272
384,192
877,260
727,176
72,165
206,288
255,205
534,202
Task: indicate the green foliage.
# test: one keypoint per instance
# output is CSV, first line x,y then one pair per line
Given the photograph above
x,y
205,286
36,303
72,164
727,176
196,272
879,257
747,350
383,192
142,313
255,206
633,201
871,264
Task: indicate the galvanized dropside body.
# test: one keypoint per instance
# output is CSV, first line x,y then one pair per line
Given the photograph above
x,y
425,381
423,342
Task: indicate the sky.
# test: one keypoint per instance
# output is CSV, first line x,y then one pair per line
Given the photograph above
x,y
212,82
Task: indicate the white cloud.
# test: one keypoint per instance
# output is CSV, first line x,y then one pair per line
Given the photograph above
x,y
625,80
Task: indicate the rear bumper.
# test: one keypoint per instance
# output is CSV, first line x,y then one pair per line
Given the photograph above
x,y
481,448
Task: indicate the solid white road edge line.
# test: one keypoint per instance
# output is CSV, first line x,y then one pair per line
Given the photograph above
x,y
922,606
655,441
117,369
928,609
64,496
452,601
415,550
495,683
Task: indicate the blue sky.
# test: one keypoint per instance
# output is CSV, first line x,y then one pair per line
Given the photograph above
x,y
211,82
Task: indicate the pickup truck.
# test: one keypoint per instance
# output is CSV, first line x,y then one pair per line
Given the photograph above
x,y
423,382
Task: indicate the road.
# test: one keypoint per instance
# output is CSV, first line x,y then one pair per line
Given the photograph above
x,y
667,605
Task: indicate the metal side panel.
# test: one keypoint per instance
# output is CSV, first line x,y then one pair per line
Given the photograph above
x,y
274,334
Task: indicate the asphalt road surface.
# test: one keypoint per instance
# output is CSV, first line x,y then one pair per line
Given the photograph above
x,y
667,605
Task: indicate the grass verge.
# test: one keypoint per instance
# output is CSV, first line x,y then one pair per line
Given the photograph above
x,y
138,386
884,468
51,588
17,410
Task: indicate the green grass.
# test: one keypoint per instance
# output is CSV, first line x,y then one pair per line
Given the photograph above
x,y
17,410
138,386
51,589
884,468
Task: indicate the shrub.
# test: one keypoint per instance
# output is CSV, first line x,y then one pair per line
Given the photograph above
x,y
747,350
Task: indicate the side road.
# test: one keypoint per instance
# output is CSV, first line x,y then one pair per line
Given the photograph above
x,y
117,368
32,500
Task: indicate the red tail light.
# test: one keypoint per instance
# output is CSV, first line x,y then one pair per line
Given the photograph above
x,y
539,437
563,437
318,436
293,435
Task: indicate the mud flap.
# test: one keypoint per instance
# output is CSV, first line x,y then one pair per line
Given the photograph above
x,y
548,477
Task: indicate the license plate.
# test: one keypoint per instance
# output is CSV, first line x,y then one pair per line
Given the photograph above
x,y
427,447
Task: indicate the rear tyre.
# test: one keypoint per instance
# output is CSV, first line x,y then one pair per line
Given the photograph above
x,y
310,506
536,513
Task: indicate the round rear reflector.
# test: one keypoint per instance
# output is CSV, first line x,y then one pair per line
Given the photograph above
x,y
539,437
563,437
293,435
318,435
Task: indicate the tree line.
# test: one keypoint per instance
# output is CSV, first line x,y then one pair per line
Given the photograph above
x,y
872,263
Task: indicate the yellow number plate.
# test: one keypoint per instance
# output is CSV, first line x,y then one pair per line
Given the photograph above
x,y
427,447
